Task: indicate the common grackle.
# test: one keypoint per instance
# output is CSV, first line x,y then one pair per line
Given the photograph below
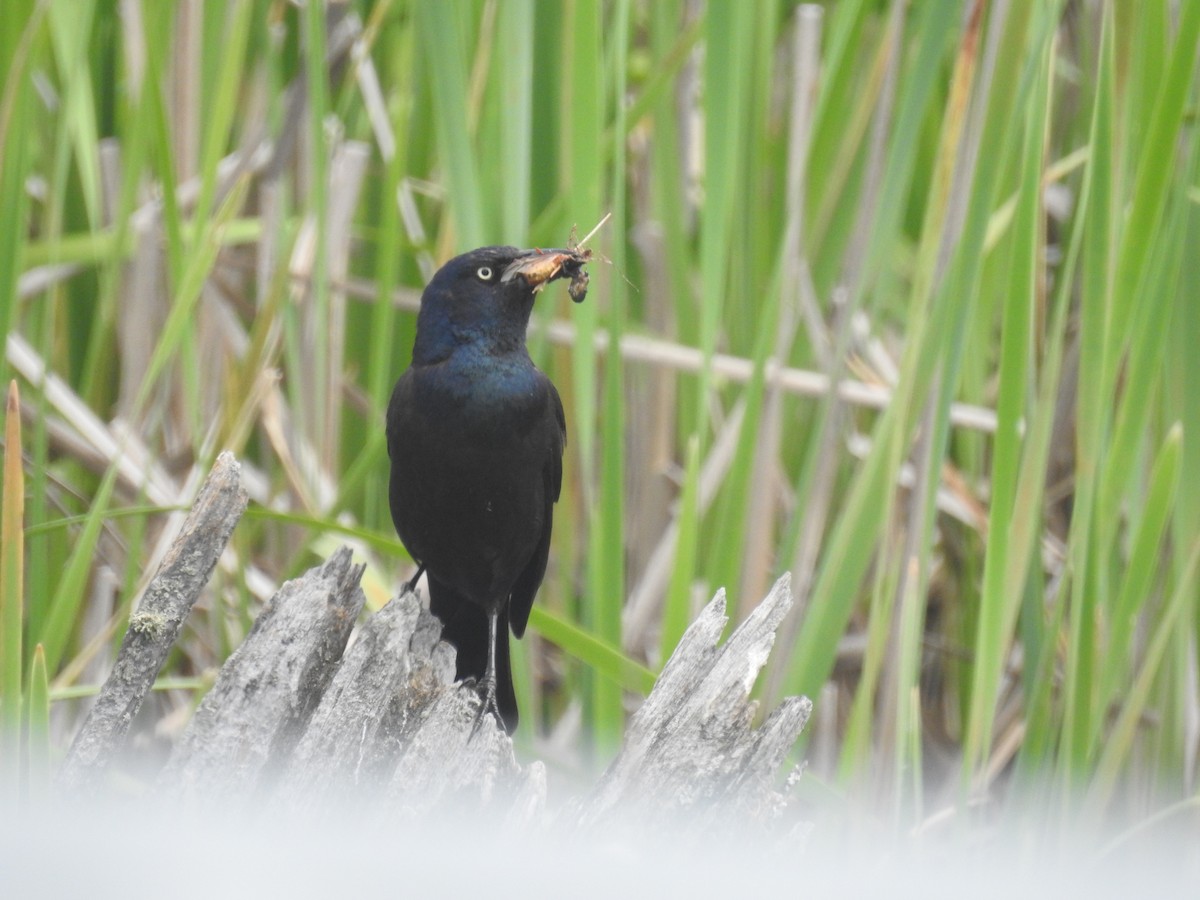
x,y
476,433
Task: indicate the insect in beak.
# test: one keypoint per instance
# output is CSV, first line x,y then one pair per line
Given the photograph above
x,y
540,267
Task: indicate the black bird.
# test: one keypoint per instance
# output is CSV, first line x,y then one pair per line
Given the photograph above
x,y
476,433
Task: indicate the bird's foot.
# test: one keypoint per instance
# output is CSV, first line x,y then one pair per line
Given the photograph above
x,y
487,692
410,586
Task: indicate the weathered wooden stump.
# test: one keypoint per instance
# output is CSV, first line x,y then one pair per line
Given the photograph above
x,y
154,626
303,718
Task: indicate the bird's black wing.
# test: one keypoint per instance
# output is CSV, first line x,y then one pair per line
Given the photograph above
x,y
527,583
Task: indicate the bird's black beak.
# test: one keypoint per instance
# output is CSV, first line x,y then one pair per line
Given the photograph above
x,y
540,267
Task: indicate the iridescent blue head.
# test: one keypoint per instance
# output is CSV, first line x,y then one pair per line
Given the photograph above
x,y
483,299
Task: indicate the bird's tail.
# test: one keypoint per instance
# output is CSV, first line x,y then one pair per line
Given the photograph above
x,y
465,626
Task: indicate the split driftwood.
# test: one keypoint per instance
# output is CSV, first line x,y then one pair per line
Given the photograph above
x,y
155,625
307,718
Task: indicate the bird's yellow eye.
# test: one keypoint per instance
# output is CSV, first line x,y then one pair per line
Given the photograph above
x,y
484,273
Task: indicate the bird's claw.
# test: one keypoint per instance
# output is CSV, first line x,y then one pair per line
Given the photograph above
x,y
410,586
488,703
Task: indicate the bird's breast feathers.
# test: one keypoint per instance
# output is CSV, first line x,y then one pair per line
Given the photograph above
x,y
485,395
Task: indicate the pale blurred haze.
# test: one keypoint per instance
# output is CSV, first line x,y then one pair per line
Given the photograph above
x,y
123,853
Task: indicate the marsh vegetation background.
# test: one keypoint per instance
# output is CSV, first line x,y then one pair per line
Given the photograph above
x,y
978,219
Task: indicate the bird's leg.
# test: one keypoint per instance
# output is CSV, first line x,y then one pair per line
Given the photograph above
x,y
489,678
410,586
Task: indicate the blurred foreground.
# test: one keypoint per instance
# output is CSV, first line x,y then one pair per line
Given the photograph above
x,y
127,851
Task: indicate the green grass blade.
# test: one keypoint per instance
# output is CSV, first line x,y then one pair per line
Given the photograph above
x,y
1119,739
445,56
583,117
518,91
602,658
1153,177
38,729
70,28
12,590
610,529
1005,564
1143,567
22,22
678,606
63,613
224,106
728,62
179,322
1092,409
